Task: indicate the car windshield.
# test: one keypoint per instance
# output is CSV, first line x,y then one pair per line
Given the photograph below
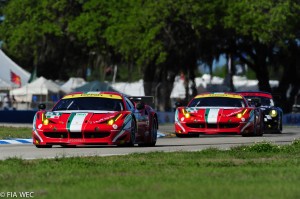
x,y
89,103
264,101
217,102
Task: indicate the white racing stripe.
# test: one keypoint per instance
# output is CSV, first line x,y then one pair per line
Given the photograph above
x,y
77,121
212,117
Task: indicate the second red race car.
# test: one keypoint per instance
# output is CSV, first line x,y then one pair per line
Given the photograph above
x,y
218,113
95,118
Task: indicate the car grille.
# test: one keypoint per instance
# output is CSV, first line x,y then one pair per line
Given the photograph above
x,y
213,126
76,135
56,134
195,125
96,135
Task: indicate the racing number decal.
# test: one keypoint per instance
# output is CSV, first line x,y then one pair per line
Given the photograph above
x,y
75,122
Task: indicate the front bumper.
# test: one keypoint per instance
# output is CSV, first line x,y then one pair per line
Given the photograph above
x,y
272,124
112,137
221,128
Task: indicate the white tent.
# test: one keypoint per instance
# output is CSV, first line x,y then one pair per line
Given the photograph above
x,y
133,89
72,83
39,87
11,75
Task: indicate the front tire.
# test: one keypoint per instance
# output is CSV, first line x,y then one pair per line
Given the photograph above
x,y
153,135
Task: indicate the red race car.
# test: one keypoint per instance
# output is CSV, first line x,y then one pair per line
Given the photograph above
x,y
95,118
218,113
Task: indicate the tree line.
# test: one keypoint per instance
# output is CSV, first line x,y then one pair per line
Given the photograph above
x,y
155,39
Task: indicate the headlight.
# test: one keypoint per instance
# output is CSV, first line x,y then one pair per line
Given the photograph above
x,y
113,120
239,115
185,113
273,113
46,122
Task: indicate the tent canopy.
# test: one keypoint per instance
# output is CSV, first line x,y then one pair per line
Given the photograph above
x,y
40,86
12,75
72,84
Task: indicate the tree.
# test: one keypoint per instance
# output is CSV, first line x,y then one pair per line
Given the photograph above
x,y
35,32
258,27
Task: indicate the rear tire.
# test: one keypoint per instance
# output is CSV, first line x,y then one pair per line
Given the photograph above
x,y
261,128
153,135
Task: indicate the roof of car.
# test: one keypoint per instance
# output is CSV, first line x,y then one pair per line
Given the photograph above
x,y
256,93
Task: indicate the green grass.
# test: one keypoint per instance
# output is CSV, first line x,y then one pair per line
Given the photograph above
x,y
262,170
14,132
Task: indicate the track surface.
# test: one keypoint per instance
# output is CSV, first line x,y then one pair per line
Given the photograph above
x,y
166,144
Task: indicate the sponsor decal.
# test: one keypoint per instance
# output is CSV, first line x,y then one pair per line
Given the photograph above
x,y
102,119
219,95
234,113
53,115
92,94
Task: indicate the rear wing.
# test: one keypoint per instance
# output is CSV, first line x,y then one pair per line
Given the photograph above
x,y
149,100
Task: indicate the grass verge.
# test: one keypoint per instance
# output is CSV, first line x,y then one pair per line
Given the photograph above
x,y
262,170
15,132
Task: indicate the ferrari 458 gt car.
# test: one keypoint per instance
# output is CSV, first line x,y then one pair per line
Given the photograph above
x,y
95,118
218,113
272,114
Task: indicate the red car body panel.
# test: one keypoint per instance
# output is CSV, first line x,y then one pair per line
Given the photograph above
x,y
95,127
195,120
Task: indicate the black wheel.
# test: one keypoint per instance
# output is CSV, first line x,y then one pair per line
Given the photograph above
x,y
261,128
43,146
153,135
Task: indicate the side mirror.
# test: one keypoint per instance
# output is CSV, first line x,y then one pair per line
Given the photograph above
x,y
42,106
140,106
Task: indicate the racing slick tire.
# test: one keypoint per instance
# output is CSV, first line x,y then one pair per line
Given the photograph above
x,y
153,135
261,129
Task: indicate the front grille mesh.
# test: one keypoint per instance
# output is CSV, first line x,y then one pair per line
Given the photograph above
x,y
76,135
213,126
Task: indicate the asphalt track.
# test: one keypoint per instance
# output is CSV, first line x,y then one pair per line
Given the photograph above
x,y
165,144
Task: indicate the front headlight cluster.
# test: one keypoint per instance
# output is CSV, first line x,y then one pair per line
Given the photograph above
x,y
240,115
186,114
114,119
44,119
273,113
